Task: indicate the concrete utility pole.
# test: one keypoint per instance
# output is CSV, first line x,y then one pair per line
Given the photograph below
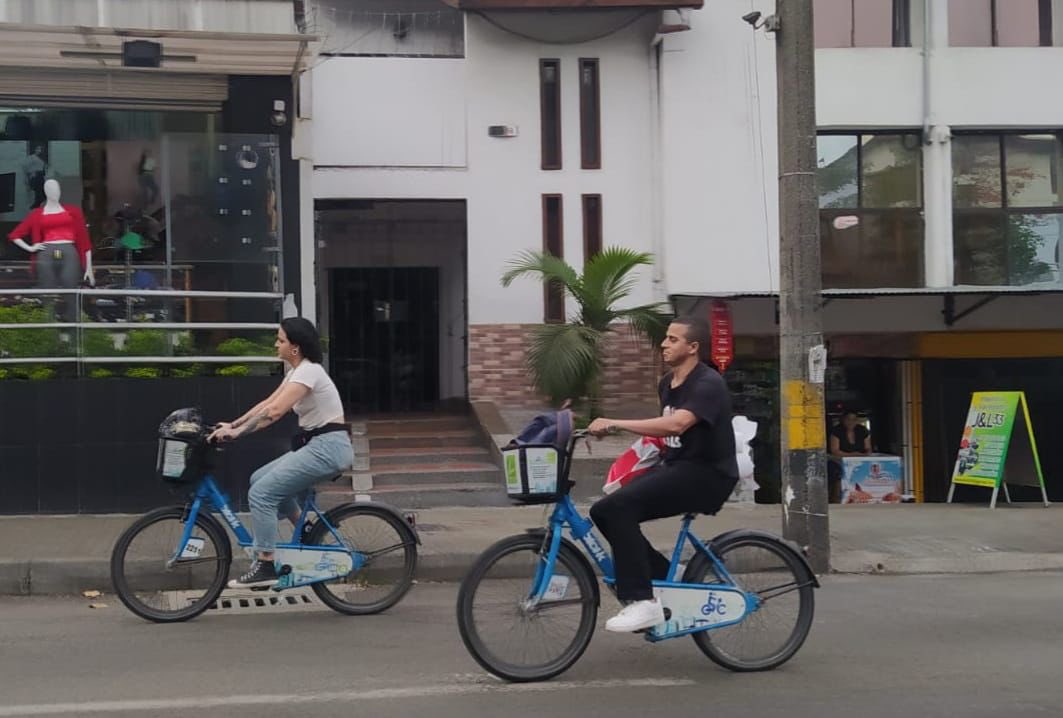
x,y
802,356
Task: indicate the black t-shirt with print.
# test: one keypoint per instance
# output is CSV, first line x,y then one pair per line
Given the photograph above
x,y
860,434
711,440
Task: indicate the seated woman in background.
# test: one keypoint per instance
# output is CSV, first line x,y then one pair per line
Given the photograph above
x,y
848,438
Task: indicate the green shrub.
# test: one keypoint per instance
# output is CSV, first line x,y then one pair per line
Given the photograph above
x,y
147,342
29,342
184,371
240,347
98,343
235,370
143,372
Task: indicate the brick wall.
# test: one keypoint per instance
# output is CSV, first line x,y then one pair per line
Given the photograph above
x,y
497,371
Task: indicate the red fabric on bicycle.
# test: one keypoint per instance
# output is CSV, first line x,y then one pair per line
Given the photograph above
x,y
636,460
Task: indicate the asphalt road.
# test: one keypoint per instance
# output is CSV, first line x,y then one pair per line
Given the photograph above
x,y
977,645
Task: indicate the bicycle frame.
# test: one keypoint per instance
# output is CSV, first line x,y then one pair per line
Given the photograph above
x,y
210,496
565,515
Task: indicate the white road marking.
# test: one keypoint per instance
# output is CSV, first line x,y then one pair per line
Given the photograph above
x,y
284,699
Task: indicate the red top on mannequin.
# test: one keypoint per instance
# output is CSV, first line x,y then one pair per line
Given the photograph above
x,y
68,225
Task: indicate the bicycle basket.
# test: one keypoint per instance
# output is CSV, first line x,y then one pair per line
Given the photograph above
x,y
183,449
533,472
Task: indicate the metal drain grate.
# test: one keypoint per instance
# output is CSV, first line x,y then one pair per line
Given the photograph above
x,y
242,602
254,601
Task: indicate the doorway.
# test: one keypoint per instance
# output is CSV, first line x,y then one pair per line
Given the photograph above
x,y
386,358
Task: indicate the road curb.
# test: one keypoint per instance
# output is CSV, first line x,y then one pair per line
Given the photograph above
x,y
72,576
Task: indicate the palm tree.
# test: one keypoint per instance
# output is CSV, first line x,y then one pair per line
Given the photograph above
x,y
566,360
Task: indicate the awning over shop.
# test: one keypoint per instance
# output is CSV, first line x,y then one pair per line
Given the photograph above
x,y
183,51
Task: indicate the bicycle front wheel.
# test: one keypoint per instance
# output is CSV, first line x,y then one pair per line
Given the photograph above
x,y
156,583
507,634
782,583
388,548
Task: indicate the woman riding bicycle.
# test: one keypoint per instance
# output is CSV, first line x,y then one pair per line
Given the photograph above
x,y
320,450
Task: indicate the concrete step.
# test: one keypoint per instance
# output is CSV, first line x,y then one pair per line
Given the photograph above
x,y
424,439
403,426
419,497
439,475
382,458
405,497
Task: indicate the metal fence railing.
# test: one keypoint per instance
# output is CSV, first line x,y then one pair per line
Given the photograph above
x,y
133,326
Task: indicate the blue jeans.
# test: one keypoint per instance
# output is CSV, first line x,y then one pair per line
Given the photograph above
x,y
274,486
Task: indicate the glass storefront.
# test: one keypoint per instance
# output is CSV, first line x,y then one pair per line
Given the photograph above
x,y
184,224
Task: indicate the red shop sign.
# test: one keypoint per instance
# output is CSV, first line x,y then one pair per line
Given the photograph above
x,y
722,342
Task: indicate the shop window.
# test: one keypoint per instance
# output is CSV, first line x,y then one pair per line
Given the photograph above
x,y
1008,209
870,198
553,243
169,203
388,28
863,23
1000,23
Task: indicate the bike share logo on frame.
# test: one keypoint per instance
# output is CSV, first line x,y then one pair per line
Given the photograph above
x,y
230,517
714,604
594,547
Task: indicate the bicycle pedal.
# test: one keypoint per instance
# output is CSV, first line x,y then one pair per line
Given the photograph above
x,y
260,588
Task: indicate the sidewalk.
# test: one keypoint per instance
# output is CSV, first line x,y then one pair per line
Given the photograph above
x,y
68,554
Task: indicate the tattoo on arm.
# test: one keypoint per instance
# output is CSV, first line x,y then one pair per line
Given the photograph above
x,y
260,420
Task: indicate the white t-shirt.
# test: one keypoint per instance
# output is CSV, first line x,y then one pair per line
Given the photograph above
x,y
322,404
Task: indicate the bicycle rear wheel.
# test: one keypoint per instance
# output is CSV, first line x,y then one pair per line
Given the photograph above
x,y
508,637
388,547
771,634
155,584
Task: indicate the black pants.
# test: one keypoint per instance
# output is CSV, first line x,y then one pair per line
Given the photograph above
x,y
667,490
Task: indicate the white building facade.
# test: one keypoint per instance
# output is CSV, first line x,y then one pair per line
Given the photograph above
x,y
449,138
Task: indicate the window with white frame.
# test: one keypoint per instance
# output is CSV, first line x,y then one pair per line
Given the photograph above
x,y
388,28
865,23
1007,208
871,199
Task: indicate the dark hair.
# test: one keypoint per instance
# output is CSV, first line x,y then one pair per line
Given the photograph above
x,y
697,331
302,333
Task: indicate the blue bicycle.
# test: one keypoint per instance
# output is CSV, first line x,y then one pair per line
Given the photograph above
x,y
173,563
528,607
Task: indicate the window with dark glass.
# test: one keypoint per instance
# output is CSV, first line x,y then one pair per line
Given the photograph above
x,y
550,112
1007,208
553,243
1000,23
863,23
870,198
590,118
592,225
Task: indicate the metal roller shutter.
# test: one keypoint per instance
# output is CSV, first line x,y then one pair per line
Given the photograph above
x,y
113,89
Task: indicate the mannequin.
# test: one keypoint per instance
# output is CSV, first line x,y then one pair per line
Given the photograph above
x,y
57,230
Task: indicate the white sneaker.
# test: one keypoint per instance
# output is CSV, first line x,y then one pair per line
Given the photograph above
x,y
636,616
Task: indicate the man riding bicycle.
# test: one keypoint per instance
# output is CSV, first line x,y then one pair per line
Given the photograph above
x,y
698,473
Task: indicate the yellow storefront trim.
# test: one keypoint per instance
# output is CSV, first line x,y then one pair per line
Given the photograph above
x,y
989,345
804,419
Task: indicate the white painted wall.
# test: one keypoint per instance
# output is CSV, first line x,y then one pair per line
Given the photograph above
x,y
389,112
409,128
719,165
387,128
